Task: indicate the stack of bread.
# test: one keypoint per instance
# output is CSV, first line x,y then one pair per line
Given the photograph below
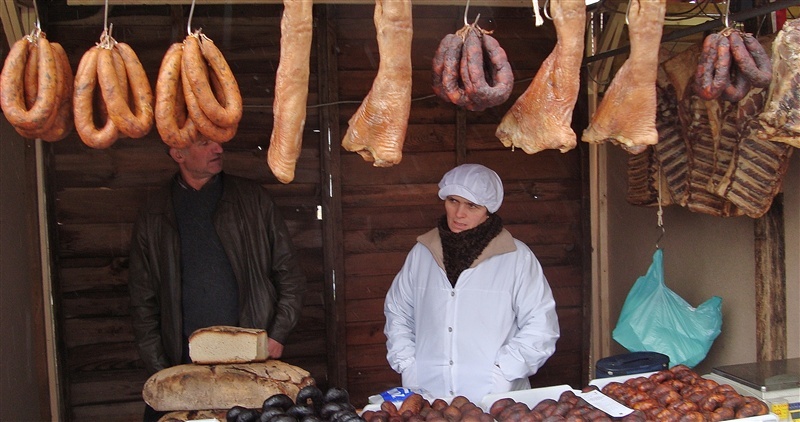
x,y
230,367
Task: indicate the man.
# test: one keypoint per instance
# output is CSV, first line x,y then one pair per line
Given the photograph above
x,y
470,312
210,249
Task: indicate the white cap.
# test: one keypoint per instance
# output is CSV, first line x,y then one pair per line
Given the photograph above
x,y
475,183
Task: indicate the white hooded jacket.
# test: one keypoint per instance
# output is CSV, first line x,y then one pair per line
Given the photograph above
x,y
487,334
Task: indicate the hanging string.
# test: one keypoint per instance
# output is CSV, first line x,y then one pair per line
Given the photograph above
x,y
106,40
660,219
539,20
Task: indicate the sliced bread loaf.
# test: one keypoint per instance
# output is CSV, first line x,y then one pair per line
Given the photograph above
x,y
225,344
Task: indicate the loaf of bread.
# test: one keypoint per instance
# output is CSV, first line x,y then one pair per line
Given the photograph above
x,y
194,415
226,344
202,387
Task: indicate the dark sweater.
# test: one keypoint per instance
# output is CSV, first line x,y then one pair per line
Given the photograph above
x,y
209,288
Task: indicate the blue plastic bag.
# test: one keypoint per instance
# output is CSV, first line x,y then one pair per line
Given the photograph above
x,y
656,319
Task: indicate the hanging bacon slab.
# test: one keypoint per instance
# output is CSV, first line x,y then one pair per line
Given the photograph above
x,y
626,115
541,117
780,120
291,89
377,130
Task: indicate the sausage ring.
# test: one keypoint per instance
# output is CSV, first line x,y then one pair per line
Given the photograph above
x,y
11,86
224,113
492,88
203,124
31,89
137,122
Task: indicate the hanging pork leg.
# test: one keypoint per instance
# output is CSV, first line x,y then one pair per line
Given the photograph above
x,y
377,130
541,117
626,115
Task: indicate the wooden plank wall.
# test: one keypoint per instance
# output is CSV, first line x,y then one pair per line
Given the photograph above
x,y
96,193
384,210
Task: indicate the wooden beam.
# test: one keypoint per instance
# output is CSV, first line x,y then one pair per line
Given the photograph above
x,y
770,283
12,21
495,3
331,199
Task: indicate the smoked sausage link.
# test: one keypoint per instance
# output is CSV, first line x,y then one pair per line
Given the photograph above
x,y
83,105
722,67
62,124
760,75
451,73
704,74
175,129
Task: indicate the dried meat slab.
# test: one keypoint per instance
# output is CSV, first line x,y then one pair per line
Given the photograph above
x,y
780,120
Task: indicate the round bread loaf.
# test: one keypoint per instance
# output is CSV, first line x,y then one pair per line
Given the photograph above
x,y
201,387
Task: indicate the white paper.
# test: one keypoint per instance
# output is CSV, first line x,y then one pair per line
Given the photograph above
x,y
606,404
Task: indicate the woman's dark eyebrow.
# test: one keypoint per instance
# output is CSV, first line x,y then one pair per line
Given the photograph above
x,y
470,203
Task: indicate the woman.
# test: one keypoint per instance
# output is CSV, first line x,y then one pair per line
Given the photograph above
x,y
471,312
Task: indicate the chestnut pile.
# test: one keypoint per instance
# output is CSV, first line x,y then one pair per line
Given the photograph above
x,y
416,408
671,395
311,405
679,393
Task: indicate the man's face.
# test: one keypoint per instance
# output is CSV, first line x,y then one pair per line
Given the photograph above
x,y
463,214
200,160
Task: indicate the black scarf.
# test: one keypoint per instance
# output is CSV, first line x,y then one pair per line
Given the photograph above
x,y
461,249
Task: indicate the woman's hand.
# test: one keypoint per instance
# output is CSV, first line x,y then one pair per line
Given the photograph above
x,y
499,382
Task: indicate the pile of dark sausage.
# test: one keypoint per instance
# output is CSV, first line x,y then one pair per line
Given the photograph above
x,y
471,70
731,63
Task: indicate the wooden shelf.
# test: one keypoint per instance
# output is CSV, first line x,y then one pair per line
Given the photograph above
x,y
496,3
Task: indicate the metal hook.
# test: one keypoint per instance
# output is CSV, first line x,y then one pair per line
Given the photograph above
x,y
660,219
727,14
627,12
105,18
38,23
546,8
189,22
660,236
466,11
